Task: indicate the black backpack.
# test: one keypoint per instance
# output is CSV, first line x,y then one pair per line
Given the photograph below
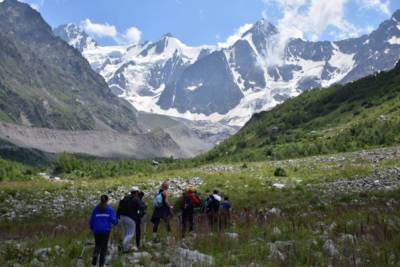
x,y
213,204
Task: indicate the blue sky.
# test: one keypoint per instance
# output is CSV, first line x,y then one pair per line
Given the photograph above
x,y
198,22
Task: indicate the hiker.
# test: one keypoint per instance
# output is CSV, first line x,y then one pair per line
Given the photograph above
x,y
188,202
128,212
103,216
212,209
225,213
142,214
162,209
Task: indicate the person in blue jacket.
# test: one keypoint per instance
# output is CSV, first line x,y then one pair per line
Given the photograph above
x,y
102,217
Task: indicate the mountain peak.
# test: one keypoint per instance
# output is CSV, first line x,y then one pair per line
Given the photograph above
x,y
262,27
167,35
22,19
396,15
75,36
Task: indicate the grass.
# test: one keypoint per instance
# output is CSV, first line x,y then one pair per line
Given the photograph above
x,y
308,218
359,115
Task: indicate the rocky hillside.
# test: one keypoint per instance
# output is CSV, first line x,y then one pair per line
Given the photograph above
x,y
52,101
44,82
341,118
100,143
229,84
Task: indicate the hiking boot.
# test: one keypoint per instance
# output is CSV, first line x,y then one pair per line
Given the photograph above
x,y
94,261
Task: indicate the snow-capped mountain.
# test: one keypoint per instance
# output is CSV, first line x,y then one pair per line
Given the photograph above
x,y
76,37
229,84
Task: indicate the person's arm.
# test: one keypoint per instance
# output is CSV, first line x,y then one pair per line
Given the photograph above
x,y
167,200
91,221
142,205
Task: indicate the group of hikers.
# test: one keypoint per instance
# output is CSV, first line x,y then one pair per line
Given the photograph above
x,y
132,210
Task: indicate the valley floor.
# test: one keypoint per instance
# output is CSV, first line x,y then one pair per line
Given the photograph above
x,y
338,210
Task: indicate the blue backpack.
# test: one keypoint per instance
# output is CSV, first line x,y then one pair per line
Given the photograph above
x,y
158,201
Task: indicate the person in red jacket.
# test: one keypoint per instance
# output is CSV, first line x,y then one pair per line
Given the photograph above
x,y
188,203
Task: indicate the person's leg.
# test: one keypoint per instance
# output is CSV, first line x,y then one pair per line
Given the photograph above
x,y
156,223
138,233
183,223
129,229
167,221
191,221
96,251
103,248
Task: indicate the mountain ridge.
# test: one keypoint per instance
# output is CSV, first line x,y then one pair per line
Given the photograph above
x,y
359,115
169,83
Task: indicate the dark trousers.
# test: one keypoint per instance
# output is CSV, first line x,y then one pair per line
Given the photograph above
x,y
213,220
225,219
138,233
156,223
100,249
187,219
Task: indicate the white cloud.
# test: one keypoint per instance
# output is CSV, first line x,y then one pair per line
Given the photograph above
x,y
236,36
133,35
308,19
99,30
379,5
35,6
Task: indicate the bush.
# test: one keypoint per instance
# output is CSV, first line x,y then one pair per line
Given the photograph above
x,y
280,172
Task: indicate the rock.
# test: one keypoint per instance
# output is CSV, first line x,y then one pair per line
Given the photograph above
x,y
59,229
131,260
347,238
186,257
330,249
332,226
36,263
233,236
276,231
275,254
142,255
42,254
274,212
80,263
278,185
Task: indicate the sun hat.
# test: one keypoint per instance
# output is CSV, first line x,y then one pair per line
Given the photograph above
x,y
135,189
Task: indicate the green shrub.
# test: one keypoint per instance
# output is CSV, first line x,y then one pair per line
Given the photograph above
x,y
280,172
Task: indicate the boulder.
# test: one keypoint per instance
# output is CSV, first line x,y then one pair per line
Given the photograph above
x,y
330,249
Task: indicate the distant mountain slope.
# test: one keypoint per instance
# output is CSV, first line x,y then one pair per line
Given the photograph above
x,y
44,82
105,144
230,84
51,99
362,114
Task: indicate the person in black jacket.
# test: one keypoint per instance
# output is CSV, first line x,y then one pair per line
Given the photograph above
x,y
212,209
128,211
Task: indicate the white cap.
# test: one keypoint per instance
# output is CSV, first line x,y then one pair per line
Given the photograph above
x,y
135,189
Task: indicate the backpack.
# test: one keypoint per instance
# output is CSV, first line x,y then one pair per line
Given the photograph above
x,y
158,200
212,204
187,203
